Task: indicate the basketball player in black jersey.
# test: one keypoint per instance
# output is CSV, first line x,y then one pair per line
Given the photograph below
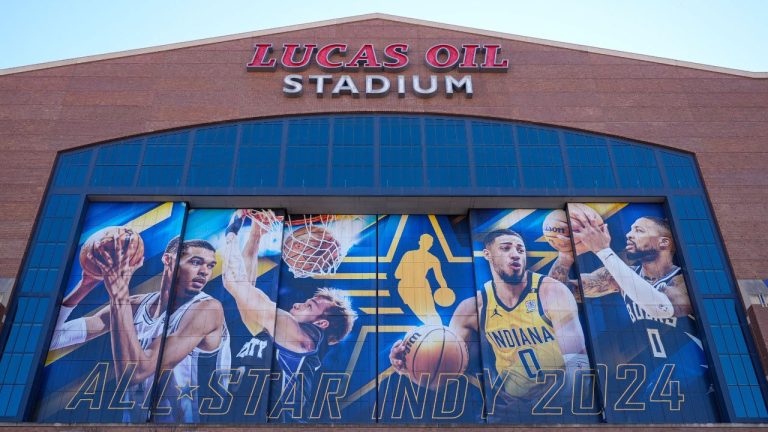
x,y
661,330
301,335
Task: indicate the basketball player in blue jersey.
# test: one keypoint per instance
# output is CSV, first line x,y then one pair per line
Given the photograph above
x,y
196,327
302,334
654,290
529,322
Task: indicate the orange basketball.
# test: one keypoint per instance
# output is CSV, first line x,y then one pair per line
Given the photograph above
x,y
554,225
582,213
311,250
434,350
103,243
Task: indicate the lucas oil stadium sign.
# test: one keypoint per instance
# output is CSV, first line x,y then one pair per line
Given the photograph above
x,y
336,57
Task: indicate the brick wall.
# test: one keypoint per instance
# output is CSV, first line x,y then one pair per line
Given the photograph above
x,y
721,118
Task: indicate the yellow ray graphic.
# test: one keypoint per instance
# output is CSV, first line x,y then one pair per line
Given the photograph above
x,y
444,243
512,218
606,210
546,258
151,218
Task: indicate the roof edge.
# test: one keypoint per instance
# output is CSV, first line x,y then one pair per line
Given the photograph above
x,y
357,18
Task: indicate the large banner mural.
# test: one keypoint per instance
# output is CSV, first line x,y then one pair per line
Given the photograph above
x,y
535,360
429,359
217,354
504,316
651,359
103,354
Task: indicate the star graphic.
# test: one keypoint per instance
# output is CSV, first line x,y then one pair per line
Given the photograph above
x,y
186,391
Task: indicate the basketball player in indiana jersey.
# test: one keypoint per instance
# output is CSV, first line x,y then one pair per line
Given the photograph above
x,y
302,334
529,322
196,327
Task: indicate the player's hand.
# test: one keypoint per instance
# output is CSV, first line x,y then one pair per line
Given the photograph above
x,y
261,220
589,234
117,270
397,357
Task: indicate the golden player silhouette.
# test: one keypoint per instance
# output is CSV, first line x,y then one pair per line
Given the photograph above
x,y
414,286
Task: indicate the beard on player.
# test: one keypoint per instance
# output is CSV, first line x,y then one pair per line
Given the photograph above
x,y
515,273
640,255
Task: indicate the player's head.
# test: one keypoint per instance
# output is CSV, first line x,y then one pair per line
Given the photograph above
x,y
648,238
505,251
426,241
331,310
197,258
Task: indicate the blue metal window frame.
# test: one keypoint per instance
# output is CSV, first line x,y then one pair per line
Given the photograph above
x,y
686,202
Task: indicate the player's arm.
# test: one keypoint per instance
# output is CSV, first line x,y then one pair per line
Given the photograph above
x,y
79,330
560,307
200,326
202,321
463,324
82,329
677,293
256,309
596,239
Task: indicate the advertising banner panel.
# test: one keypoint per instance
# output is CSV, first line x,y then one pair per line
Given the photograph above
x,y
218,347
104,351
324,367
429,357
535,361
651,361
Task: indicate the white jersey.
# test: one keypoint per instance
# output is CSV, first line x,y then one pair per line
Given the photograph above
x,y
147,329
181,392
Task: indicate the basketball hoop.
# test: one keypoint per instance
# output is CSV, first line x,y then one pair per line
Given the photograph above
x,y
309,247
265,219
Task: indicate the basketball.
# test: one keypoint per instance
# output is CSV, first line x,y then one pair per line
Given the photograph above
x,y
554,225
582,214
434,350
311,250
103,243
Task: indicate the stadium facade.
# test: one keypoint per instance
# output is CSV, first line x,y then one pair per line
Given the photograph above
x,y
381,220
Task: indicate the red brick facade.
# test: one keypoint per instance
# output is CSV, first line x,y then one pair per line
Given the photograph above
x,y
720,117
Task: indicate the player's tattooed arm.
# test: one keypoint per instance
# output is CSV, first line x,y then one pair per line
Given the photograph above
x,y
677,293
598,283
560,271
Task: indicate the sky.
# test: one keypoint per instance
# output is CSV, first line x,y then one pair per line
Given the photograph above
x,y
731,34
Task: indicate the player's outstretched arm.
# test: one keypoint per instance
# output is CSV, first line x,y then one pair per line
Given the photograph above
x,y
256,309
126,348
80,330
596,239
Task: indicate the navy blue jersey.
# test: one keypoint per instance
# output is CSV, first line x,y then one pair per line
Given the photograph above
x,y
295,366
665,336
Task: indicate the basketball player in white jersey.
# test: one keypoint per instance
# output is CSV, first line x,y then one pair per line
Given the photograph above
x,y
136,322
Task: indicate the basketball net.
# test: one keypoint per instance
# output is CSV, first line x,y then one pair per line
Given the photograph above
x,y
310,248
265,219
